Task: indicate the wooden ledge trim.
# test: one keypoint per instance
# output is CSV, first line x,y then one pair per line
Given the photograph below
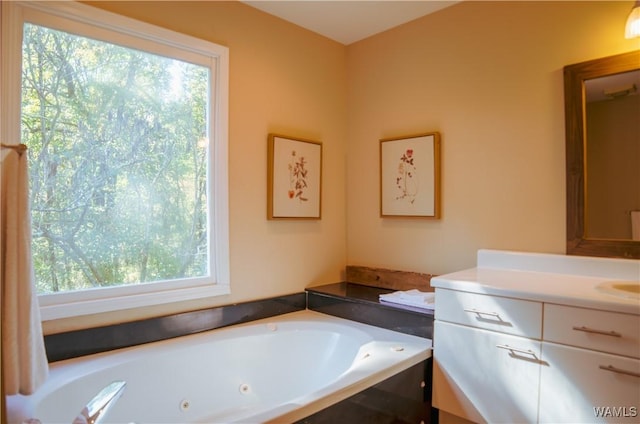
x,y
389,278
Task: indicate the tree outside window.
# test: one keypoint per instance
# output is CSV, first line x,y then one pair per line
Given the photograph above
x,y
118,162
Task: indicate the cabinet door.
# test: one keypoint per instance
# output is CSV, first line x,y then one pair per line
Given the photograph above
x,y
575,389
485,376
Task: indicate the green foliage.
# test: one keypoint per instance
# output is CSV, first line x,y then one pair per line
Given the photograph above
x,y
118,165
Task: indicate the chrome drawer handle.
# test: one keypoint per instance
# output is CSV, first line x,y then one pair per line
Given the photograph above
x,y
619,370
475,311
515,349
594,331
522,354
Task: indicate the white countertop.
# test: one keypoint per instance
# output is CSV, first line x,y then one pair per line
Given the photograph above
x,y
559,279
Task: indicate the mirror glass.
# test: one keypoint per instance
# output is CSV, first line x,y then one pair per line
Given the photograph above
x,y
602,118
612,118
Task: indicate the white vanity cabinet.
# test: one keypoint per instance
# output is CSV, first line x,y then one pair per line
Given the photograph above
x,y
486,357
506,360
591,366
529,337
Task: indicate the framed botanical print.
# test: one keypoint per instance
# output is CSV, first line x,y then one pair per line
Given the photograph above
x,y
294,178
410,176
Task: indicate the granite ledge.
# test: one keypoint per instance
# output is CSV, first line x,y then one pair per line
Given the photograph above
x,y
361,303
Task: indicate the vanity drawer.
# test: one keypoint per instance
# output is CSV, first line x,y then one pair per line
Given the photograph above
x,y
502,314
603,331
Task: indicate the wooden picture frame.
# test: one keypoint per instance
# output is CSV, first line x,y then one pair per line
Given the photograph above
x,y
410,176
294,182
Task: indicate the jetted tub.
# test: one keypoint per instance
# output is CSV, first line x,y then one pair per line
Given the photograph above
x,y
278,369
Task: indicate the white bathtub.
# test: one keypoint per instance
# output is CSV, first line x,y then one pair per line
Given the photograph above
x,y
277,369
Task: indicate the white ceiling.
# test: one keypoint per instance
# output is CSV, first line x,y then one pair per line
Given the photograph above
x,y
348,21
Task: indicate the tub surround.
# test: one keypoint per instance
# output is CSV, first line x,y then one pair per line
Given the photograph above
x,y
94,340
402,398
361,303
346,300
279,369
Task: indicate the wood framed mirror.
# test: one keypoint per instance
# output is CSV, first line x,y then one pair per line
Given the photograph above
x,y
582,236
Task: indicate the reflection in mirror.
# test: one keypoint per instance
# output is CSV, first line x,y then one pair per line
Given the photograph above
x,y
612,113
602,114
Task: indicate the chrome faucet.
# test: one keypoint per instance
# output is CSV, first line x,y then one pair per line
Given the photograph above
x,y
98,407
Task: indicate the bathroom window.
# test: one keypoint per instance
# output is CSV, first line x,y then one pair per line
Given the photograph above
x,y
126,129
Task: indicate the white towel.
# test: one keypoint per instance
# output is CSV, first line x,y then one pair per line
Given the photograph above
x,y
635,225
24,361
414,297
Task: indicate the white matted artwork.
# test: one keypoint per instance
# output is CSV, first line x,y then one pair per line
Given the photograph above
x,y
410,176
294,178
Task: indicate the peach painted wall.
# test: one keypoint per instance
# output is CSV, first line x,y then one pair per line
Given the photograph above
x,y
286,80
488,77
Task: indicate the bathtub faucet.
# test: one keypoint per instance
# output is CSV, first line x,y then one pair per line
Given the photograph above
x,y
98,407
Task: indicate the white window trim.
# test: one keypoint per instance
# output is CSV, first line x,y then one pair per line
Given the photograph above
x,y
63,305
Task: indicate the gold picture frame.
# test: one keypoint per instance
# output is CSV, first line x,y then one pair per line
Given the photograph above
x,y
294,181
410,176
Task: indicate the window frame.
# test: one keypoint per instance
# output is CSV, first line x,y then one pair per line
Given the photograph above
x,y
95,23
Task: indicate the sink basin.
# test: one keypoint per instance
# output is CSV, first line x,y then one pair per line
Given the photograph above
x,y
628,289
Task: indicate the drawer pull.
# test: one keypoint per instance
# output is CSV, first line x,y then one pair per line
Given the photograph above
x,y
475,311
594,331
490,317
522,354
619,370
515,349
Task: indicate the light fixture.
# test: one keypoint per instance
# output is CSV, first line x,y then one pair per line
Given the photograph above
x,y
632,29
613,93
